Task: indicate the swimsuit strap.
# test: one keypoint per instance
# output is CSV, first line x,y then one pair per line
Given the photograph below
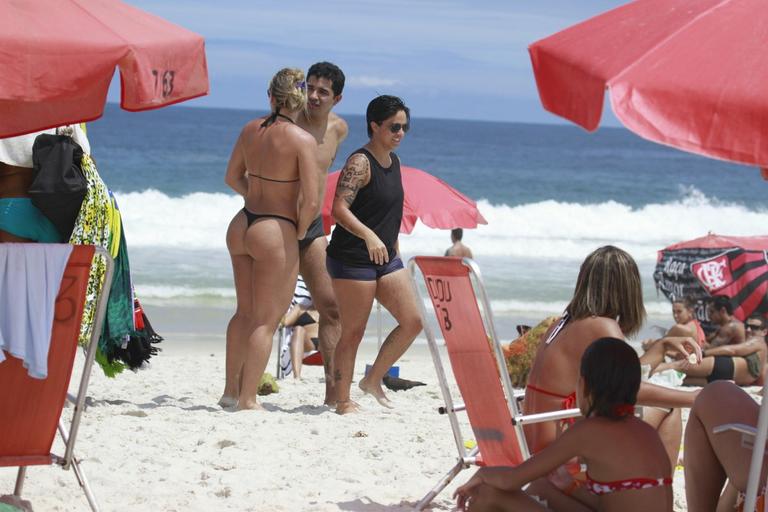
x,y
559,327
271,179
548,393
568,402
271,119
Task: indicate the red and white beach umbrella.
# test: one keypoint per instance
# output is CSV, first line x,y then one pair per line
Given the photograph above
x,y
686,73
57,58
427,198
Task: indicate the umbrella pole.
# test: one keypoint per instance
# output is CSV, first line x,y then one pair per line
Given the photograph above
x,y
757,453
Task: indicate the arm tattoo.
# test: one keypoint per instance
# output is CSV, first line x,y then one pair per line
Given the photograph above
x,y
354,176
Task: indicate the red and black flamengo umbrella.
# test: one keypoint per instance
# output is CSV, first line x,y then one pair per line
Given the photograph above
x,y
734,266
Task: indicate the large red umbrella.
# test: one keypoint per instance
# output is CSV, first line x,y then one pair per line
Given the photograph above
x,y
686,73
57,58
734,266
427,198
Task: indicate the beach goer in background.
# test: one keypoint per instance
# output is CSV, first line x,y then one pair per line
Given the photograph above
x,y
627,465
607,302
363,256
685,323
458,248
742,363
729,331
274,167
710,458
301,324
325,83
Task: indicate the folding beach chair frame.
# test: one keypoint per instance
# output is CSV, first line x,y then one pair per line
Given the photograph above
x,y
469,458
282,340
758,449
69,439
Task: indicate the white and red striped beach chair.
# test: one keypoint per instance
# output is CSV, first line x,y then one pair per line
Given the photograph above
x,y
478,365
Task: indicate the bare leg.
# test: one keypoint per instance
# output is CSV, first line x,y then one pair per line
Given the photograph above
x,y
240,325
355,300
312,268
669,425
489,499
709,457
297,350
272,245
395,293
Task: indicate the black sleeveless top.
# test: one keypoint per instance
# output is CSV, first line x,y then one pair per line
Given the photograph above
x,y
378,205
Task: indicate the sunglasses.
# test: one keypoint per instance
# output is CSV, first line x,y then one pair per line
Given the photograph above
x,y
752,327
396,127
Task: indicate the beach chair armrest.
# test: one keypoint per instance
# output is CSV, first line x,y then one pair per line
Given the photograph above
x,y
456,408
737,427
546,416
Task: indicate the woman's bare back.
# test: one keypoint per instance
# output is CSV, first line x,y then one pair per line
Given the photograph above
x,y
273,171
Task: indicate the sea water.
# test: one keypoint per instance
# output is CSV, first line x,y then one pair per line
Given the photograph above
x,y
551,194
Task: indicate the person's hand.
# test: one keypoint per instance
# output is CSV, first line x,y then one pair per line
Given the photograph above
x,y
463,493
377,251
686,347
646,344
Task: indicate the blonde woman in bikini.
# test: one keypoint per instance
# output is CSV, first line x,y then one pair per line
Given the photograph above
x,y
274,167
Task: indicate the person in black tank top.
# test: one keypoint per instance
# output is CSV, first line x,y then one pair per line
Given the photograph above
x,y
362,257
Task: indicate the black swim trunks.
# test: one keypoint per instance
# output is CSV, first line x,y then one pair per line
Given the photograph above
x,y
315,230
722,369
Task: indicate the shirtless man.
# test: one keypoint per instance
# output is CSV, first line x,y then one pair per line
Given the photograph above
x,y
325,82
731,331
458,248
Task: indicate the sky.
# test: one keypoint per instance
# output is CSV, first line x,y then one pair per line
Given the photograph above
x,y
456,59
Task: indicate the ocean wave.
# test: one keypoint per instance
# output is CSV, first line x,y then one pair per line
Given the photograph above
x,y
543,230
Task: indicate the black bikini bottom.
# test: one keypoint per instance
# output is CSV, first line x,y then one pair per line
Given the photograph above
x,y
722,369
253,217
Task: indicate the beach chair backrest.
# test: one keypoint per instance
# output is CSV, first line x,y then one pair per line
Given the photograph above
x,y
30,408
475,356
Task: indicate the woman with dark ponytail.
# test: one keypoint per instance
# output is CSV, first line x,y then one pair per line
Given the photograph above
x,y
627,465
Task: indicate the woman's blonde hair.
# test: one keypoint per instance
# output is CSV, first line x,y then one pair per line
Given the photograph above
x,y
289,89
609,286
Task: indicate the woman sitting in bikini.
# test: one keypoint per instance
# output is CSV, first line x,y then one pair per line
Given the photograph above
x,y
627,465
274,166
686,324
607,302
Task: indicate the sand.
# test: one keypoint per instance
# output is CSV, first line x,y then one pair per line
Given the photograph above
x,y
156,440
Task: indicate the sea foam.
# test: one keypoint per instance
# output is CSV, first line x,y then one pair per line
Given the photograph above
x,y
542,230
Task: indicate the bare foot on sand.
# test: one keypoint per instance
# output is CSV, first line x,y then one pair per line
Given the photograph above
x,y
227,402
252,405
347,407
377,393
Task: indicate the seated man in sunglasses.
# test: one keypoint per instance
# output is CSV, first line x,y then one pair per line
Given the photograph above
x,y
742,363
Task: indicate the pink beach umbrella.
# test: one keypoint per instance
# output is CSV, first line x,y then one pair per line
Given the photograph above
x,y
58,57
427,198
686,73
